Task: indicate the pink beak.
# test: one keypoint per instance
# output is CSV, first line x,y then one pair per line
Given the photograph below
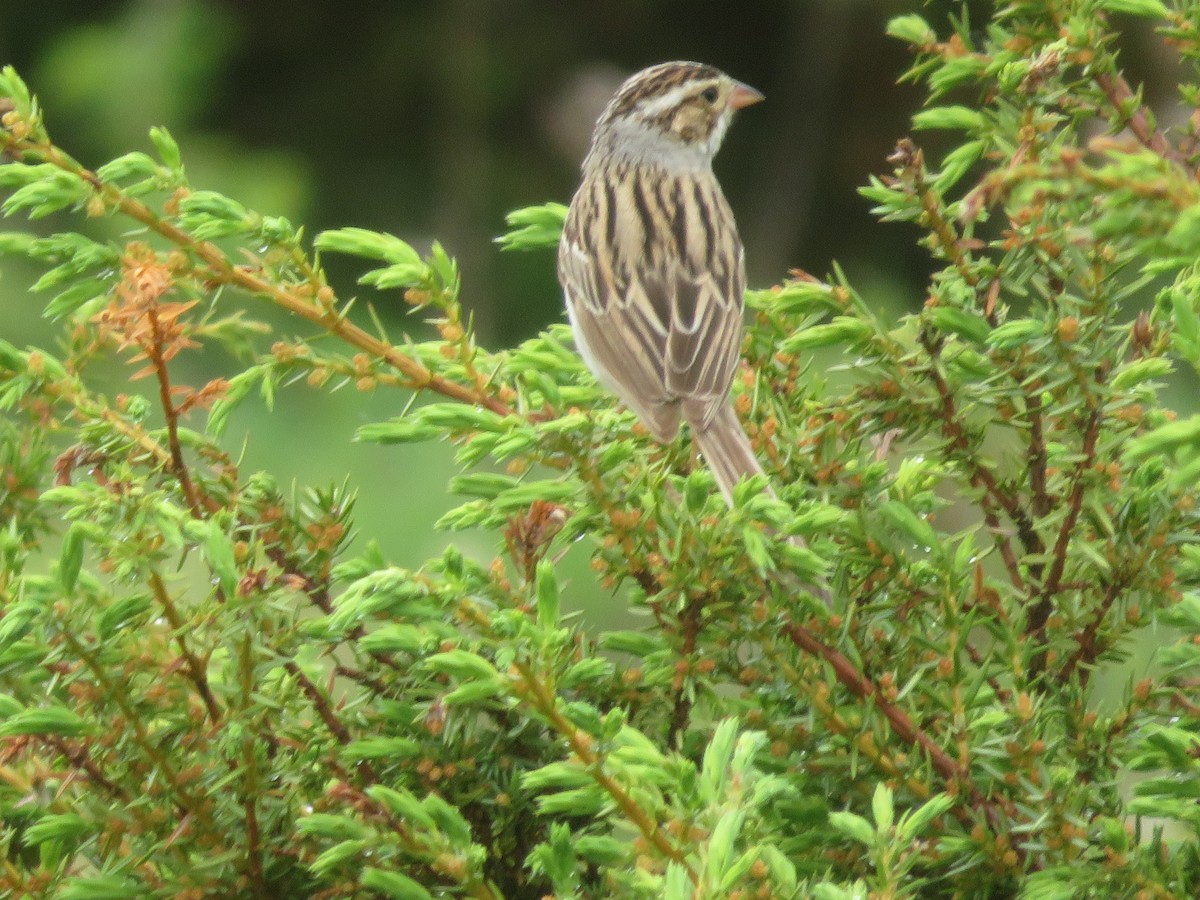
x,y
743,95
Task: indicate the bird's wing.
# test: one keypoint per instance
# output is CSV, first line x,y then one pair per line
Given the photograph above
x,y
705,336
622,333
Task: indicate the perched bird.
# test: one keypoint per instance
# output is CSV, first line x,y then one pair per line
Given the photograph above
x,y
651,263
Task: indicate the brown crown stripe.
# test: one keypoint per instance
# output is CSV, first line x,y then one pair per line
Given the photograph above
x,y
657,81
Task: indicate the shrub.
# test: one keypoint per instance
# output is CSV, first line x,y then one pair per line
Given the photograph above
x,y
205,693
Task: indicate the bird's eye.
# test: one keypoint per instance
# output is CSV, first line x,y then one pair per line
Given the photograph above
x,y
709,94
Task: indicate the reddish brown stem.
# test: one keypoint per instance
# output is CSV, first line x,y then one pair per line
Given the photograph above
x,y
76,753
1036,458
1086,649
863,688
178,466
321,704
221,270
1119,95
1038,616
196,670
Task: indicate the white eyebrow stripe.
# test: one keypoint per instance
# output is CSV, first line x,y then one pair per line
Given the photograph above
x,y
667,101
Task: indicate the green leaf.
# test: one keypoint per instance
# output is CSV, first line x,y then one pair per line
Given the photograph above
x,y
957,321
555,776
335,856
913,823
470,692
602,850
393,884
397,431
960,118
449,820
237,389
390,748
1148,8
903,519
913,29
122,613
49,194
101,888
1187,323
17,622
794,298
882,808
210,215
370,244
736,871
167,149
75,297
533,227
462,664
717,756
18,243
14,88
403,804
330,826
218,551
398,637
721,842
396,276
757,549
582,801
1166,438
853,826
842,329
1016,333
61,827
45,720
1142,370
70,558
635,643
131,165
957,163
547,595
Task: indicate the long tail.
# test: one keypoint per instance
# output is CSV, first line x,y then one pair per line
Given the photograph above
x,y
727,451
730,456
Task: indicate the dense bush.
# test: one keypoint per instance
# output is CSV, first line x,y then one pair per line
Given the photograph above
x,y
205,694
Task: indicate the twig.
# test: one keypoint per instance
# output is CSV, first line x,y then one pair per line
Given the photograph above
x,y
196,670
980,476
189,803
76,753
325,711
222,271
250,781
179,468
690,619
1085,649
1035,627
862,687
543,700
1119,95
1036,458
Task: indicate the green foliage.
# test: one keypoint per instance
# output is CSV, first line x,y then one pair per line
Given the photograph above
x,y
204,692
